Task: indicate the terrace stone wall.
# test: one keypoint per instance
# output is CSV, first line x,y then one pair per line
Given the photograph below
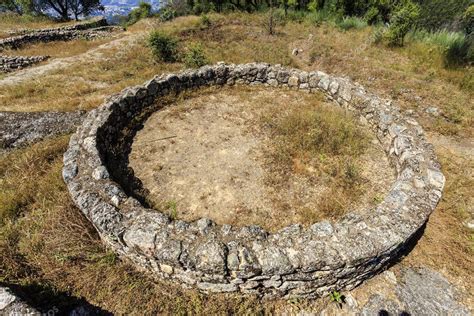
x,y
12,63
293,262
90,29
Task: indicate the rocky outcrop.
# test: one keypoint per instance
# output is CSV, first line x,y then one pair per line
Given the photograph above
x,y
10,304
18,129
292,262
12,63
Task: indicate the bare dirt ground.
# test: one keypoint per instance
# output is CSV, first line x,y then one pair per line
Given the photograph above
x,y
206,157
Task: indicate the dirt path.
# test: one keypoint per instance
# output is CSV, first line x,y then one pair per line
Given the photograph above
x,y
124,39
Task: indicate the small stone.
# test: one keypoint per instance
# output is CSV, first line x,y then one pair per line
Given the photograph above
x,y
166,268
469,224
434,111
436,178
210,257
217,287
100,173
322,229
293,81
249,285
350,301
204,224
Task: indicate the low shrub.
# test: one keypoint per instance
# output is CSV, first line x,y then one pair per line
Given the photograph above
x,y
204,21
458,52
164,47
468,20
271,20
167,14
203,6
195,57
351,22
402,21
296,16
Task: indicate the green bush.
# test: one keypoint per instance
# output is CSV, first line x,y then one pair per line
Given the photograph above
x,y
164,47
468,20
317,17
296,15
372,15
205,22
350,22
194,57
143,11
459,52
441,14
167,14
403,19
203,6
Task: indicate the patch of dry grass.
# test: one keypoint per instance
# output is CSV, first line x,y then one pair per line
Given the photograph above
x,y
57,49
323,143
25,173
10,22
413,76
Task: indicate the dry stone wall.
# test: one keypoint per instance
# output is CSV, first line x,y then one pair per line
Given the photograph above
x,y
12,63
90,29
292,262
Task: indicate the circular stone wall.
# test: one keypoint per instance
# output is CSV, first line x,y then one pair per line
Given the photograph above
x,y
294,261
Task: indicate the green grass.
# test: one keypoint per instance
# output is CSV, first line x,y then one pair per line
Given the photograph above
x,y
455,46
351,22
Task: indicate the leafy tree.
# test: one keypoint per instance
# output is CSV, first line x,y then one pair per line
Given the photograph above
x,y
18,6
143,11
67,8
403,19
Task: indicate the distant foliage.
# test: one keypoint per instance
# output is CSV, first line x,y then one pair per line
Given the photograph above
x,y
164,47
18,6
195,57
143,11
203,6
401,22
167,14
441,14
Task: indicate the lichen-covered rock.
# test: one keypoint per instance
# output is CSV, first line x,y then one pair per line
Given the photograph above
x,y
19,129
12,305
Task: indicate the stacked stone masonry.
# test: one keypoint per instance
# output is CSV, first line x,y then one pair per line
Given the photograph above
x,y
293,262
89,30
12,63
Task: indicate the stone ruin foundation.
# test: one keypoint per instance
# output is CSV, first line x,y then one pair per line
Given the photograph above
x,y
93,29
293,262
